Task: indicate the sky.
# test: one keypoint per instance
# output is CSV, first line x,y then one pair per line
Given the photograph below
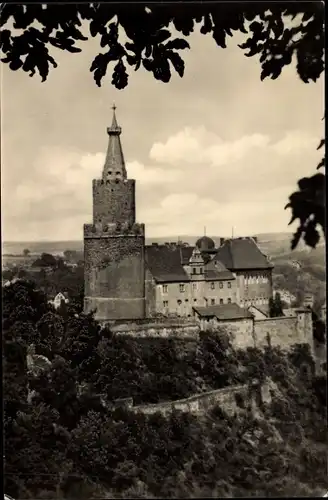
x,y
217,148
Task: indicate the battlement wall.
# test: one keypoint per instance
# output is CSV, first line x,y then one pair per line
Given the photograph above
x,y
113,230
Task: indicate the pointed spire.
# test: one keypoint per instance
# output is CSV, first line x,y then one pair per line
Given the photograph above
x,y
114,167
204,230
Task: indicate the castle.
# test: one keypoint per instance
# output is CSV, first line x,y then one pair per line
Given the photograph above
x,y
127,280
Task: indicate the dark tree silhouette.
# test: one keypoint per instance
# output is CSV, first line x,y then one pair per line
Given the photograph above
x,y
153,47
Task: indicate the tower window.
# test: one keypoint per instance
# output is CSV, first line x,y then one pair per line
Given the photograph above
x,y
179,302
164,288
118,173
229,284
181,287
201,270
165,303
212,286
194,285
221,284
194,270
110,172
186,300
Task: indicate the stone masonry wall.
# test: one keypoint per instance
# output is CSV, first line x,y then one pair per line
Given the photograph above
x,y
225,398
157,328
281,331
113,200
115,276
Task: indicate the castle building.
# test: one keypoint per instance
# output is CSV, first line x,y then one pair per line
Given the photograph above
x,y
125,279
114,244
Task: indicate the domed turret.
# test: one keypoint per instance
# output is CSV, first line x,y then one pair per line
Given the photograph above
x,y
205,244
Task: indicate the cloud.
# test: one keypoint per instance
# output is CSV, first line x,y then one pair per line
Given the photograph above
x,y
218,147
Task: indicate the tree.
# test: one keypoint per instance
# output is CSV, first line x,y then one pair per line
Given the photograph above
x,y
26,252
275,306
152,47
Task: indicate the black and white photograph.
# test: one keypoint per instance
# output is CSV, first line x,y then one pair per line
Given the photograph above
x,y
163,250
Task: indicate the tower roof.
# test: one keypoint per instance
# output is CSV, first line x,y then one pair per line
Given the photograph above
x,y
114,166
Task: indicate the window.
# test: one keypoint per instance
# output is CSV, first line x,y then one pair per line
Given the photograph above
x,y
212,302
201,270
118,173
195,300
179,302
221,284
165,303
181,287
212,286
229,300
229,284
194,270
186,300
221,301
194,286
164,288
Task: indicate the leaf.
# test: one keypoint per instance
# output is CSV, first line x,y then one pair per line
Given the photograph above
x,y
177,62
219,36
120,76
177,44
207,26
148,64
16,64
161,69
322,163
322,143
162,35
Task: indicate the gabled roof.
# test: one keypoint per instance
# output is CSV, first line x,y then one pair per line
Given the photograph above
x,y
186,253
242,253
259,309
164,263
223,312
214,275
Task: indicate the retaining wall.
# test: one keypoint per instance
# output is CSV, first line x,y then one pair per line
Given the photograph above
x,y
225,398
157,328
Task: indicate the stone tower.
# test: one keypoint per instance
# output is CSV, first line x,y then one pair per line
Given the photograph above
x,y
114,279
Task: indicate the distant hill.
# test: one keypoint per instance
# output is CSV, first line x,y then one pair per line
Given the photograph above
x,y
272,244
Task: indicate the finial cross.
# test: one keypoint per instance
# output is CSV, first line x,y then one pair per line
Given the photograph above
x,y
113,107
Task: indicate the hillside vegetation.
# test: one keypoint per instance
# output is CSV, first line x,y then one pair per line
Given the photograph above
x,y
64,443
